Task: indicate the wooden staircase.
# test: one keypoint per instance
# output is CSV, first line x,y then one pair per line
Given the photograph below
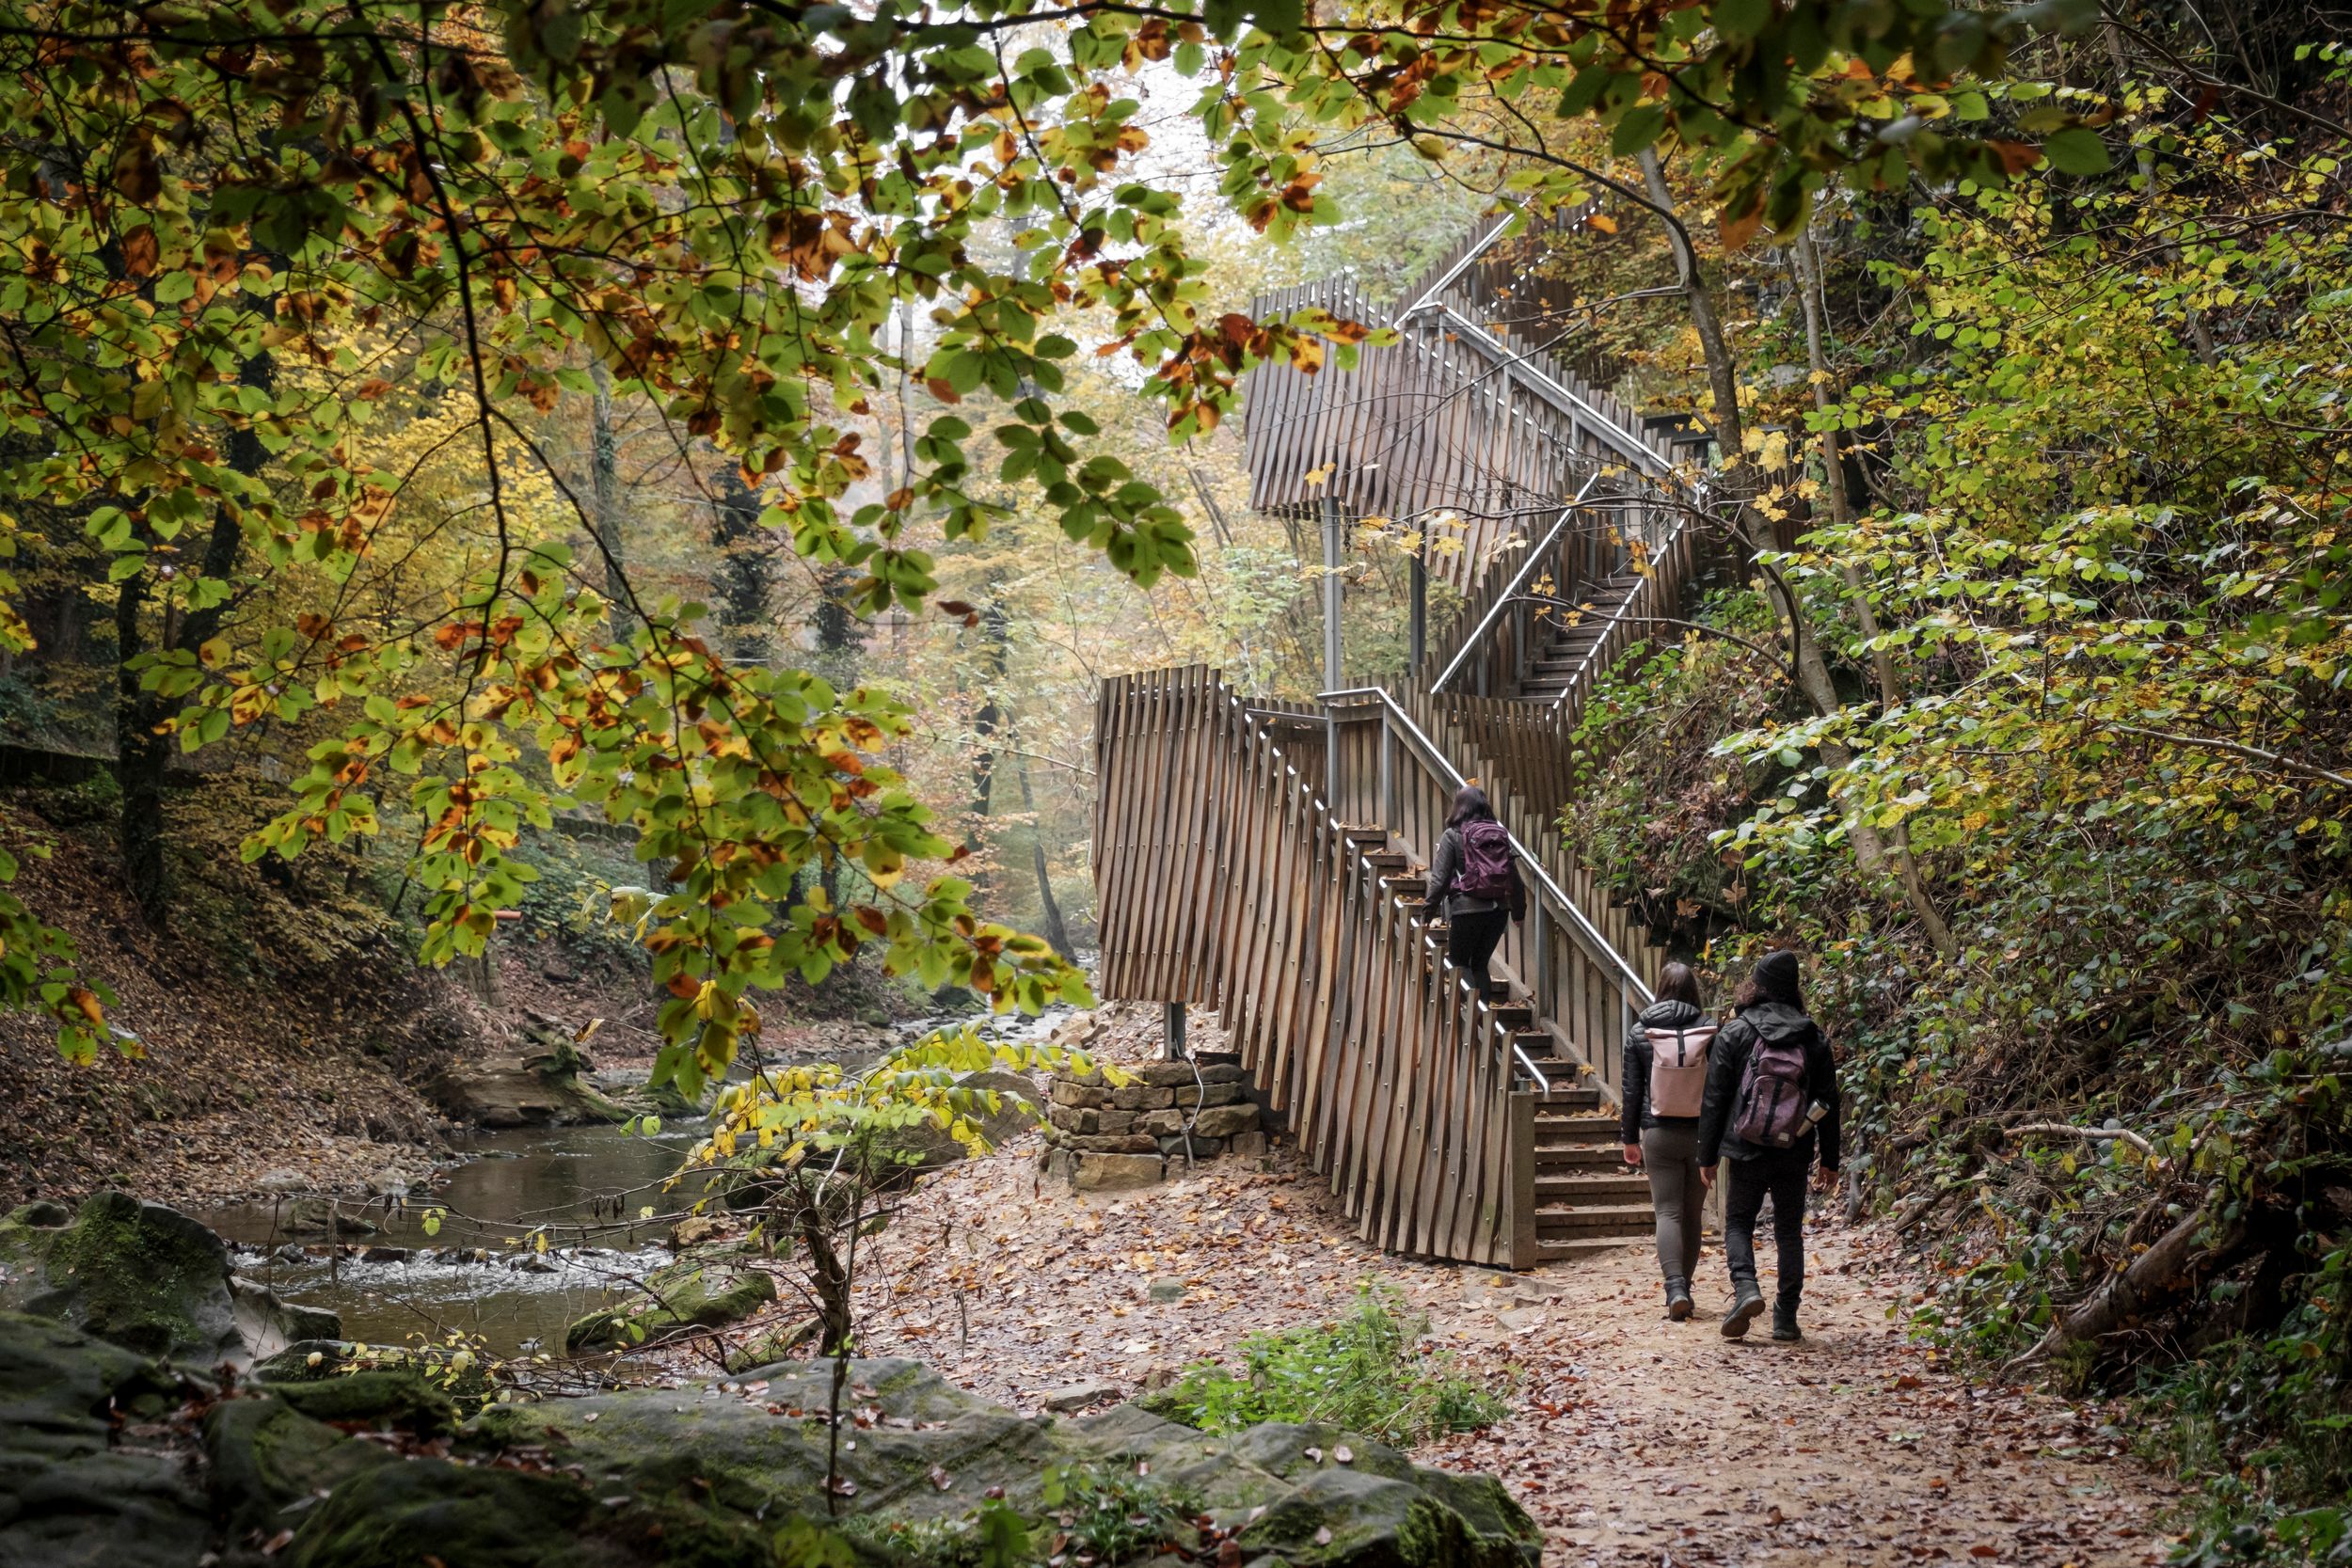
x,y
1587,1199
1566,659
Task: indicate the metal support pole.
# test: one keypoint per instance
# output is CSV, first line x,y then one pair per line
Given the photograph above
x,y
1539,968
1417,623
1175,1030
1334,554
1387,775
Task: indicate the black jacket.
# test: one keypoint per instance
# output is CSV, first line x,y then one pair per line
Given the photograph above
x,y
1638,1056
1446,864
1776,1020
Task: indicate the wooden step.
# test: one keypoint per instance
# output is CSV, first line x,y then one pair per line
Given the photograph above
x,y
1516,1016
1568,1097
1363,834
1571,1190
1570,1249
1560,1130
1599,1155
1600,1219
1388,860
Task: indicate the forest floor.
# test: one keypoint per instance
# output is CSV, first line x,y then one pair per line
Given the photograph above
x,y
1633,1440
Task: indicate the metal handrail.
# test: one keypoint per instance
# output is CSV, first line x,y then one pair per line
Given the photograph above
x,y
1624,439
1589,934
1642,587
1478,633
1257,717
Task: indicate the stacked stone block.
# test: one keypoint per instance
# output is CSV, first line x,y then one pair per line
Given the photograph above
x,y
1165,1116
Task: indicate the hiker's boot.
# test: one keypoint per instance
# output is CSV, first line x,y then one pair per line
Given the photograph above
x,y
1746,1304
1785,1320
1678,1299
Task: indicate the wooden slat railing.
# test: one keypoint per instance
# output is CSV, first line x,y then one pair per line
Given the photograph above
x,y
1584,965
1468,414
1226,880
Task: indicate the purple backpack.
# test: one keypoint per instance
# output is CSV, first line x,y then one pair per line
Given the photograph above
x,y
1486,861
1770,1111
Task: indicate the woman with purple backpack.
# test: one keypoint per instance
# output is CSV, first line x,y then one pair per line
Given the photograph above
x,y
1772,1098
1474,882
1666,1082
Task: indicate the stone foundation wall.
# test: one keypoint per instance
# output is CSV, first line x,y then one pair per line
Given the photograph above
x,y
1166,1116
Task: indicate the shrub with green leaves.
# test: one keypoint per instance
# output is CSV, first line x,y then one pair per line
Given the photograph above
x,y
1366,1372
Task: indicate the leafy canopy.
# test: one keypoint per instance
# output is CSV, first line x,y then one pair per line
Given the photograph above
x,y
726,204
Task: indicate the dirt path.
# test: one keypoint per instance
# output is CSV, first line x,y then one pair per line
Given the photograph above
x,y
1634,1441
1645,1442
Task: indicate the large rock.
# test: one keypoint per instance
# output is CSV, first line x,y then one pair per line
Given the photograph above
x,y
266,1457
145,1277
707,1288
925,1145
1115,1173
74,1493
538,1086
705,1472
93,1471
466,1516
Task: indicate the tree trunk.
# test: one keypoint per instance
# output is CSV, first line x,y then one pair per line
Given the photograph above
x,y
2171,1265
604,476
1055,931
1722,377
1811,289
987,718
141,754
139,757
742,577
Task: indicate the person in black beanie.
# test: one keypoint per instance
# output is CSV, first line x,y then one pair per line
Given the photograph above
x,y
1771,1054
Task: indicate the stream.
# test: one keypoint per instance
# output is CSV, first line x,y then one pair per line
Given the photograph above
x,y
483,1273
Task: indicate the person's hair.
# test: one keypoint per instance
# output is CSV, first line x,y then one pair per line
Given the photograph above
x,y
1470,805
1677,983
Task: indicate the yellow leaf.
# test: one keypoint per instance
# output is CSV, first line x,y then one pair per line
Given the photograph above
x,y
1602,221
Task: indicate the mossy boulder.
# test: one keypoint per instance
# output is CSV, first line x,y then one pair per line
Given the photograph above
x,y
266,1457
695,1477
467,1517
707,1288
701,1468
76,1492
145,1277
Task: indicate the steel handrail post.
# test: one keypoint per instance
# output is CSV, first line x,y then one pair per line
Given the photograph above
x,y
1588,934
1519,580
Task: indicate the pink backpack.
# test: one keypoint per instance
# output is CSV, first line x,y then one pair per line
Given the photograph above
x,y
1677,1068
1486,861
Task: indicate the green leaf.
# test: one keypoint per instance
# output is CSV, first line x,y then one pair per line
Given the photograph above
x,y
1638,129
2077,149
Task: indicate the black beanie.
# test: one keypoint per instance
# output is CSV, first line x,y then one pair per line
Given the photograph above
x,y
1777,976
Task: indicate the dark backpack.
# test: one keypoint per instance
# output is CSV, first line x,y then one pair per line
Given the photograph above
x,y
1486,861
1769,1109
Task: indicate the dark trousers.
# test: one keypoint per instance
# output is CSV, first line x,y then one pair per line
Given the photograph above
x,y
1470,941
1780,1177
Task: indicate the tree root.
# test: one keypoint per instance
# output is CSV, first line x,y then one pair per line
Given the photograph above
x,y
2172,1265
2101,1135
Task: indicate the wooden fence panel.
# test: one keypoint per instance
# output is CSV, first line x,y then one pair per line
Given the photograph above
x,y
1238,888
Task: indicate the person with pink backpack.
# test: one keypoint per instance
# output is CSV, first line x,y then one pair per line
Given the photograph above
x,y
1664,1084
1772,1100
1474,882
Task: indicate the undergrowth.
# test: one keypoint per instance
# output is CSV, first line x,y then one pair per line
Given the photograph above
x,y
1366,1372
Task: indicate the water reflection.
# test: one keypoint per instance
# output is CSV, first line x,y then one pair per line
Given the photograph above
x,y
485,1273
580,1189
